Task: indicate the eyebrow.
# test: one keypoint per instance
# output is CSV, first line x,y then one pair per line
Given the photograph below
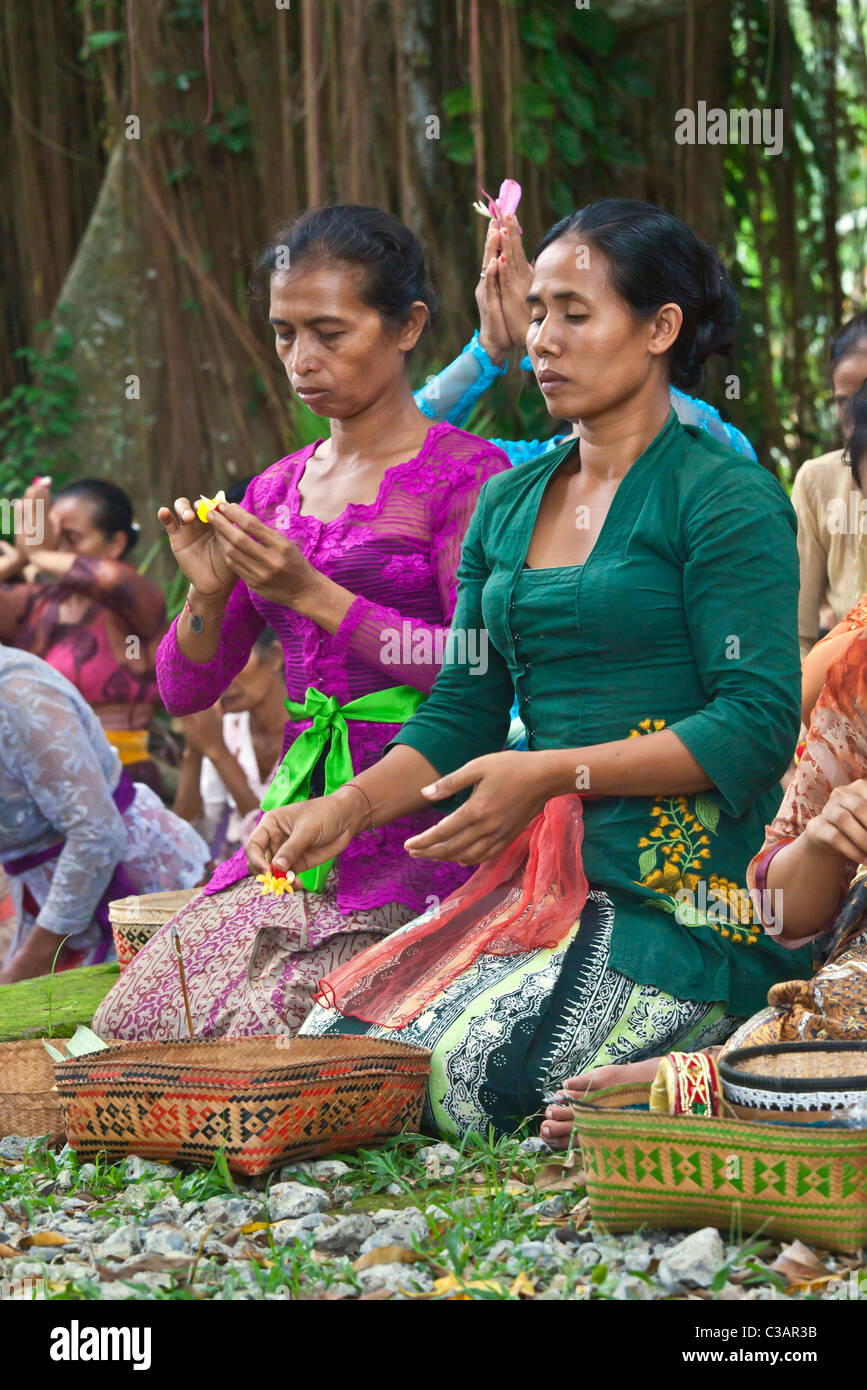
x,y
558,294
320,318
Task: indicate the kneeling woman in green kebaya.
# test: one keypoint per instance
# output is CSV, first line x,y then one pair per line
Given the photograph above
x,y
638,588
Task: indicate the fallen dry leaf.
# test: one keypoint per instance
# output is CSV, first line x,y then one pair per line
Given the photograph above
x,y
147,1264
522,1287
44,1238
251,1226
6,1252
387,1255
798,1263
560,1177
375,1296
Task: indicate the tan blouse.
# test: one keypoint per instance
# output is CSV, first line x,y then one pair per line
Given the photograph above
x,y
831,511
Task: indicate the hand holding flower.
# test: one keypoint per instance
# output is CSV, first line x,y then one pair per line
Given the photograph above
x,y
267,561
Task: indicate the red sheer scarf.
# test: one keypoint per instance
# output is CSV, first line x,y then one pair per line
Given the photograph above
x,y
525,900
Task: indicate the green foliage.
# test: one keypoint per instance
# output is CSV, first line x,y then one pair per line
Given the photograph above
x,y
569,107
38,415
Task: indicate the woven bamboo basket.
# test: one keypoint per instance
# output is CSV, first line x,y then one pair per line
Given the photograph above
x,y
134,920
686,1171
263,1101
811,1079
28,1101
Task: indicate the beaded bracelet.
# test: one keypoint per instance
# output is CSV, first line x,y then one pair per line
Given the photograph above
x,y
367,799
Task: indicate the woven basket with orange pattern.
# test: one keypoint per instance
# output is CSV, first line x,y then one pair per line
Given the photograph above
x,y
134,920
263,1101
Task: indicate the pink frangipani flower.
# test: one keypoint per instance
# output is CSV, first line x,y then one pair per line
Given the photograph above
x,y
504,205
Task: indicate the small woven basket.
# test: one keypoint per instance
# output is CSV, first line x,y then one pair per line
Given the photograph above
x,y
28,1101
134,920
795,1077
686,1171
264,1101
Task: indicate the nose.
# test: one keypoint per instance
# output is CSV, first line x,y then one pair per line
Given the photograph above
x,y
302,356
546,342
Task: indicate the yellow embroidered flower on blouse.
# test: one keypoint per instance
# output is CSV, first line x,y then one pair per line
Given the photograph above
x,y
206,505
276,882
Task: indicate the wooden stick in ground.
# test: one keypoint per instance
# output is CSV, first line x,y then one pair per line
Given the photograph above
x,y
184,984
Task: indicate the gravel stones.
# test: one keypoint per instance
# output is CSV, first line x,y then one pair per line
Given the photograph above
x,y
290,1200
693,1262
121,1244
344,1235
400,1232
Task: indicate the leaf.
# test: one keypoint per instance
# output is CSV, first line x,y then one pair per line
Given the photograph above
x,y
459,102
45,1238
387,1255
662,904
798,1263
596,32
103,39
689,915
6,1252
522,1287
147,1264
707,812
647,861
554,1178
252,1226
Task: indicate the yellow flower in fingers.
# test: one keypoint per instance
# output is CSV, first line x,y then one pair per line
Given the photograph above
x,y
276,883
206,505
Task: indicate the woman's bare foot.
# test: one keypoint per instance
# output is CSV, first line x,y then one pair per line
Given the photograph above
x,y
559,1119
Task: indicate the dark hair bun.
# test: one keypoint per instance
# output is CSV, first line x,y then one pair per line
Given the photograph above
x,y
715,323
391,256
655,259
112,507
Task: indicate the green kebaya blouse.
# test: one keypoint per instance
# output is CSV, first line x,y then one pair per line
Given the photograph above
x,y
683,617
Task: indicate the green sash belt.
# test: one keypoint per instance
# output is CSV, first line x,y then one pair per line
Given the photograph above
x,y
292,779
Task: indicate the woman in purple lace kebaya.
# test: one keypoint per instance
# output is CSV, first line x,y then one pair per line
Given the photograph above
x,y
349,550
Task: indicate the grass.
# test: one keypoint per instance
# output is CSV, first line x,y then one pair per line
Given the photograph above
x,y
53,1005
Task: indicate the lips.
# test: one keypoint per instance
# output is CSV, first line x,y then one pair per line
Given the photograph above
x,y
548,378
305,391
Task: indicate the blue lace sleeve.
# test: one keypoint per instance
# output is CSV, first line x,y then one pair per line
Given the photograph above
x,y
452,393
691,411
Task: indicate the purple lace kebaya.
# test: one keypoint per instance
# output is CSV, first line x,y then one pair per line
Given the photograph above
x,y
400,556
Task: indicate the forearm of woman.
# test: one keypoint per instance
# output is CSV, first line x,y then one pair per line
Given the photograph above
x,y
392,786
652,765
234,779
54,562
809,879
201,646
324,601
188,797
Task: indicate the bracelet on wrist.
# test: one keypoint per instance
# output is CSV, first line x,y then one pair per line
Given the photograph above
x,y
197,622
370,825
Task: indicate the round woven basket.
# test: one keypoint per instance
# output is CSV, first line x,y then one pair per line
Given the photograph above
x,y
134,920
263,1100
796,1076
29,1105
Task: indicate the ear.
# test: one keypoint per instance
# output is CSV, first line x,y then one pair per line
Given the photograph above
x,y
412,329
117,545
664,328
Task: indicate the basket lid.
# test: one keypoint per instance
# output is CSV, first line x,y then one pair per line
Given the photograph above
x,y
149,908
801,1066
